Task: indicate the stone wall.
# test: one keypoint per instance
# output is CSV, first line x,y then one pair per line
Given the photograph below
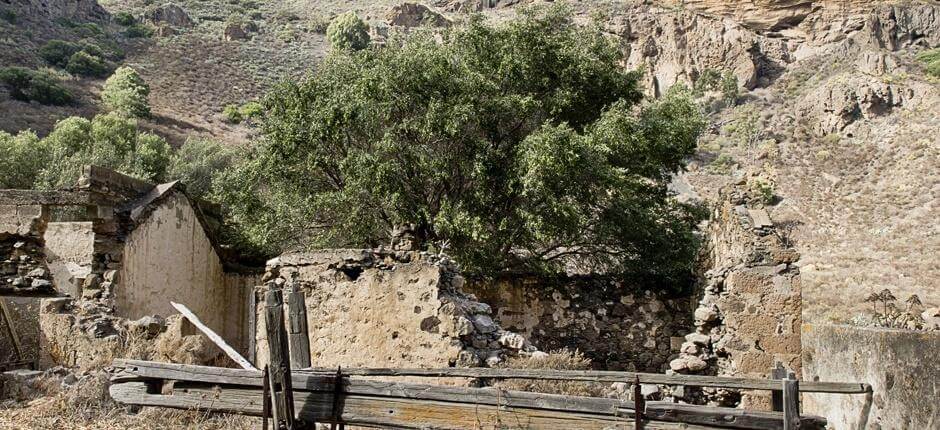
x,y
388,309
900,365
617,327
749,316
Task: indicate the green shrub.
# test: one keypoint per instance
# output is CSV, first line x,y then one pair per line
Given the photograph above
x,y
58,52
933,69
251,110
28,85
729,88
348,32
88,29
125,92
138,31
929,56
84,64
124,19
22,158
232,114
197,162
8,16
469,135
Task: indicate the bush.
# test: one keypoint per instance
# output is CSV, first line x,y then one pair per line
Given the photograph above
x,y
126,92
318,24
124,19
22,158
138,31
8,16
348,32
85,64
58,52
197,162
26,85
232,114
470,135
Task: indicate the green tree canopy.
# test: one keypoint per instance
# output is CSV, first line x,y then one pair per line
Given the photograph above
x,y
521,145
126,92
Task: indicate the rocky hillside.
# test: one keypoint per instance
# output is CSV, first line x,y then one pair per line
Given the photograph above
x,y
832,116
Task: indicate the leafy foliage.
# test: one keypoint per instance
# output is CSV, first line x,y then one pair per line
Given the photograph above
x,y
124,19
198,161
515,145
126,92
84,64
58,52
235,114
931,58
55,161
28,85
347,32
138,31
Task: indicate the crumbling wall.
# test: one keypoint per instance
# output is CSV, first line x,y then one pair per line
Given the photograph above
x,y
900,365
390,309
168,257
748,318
618,327
70,253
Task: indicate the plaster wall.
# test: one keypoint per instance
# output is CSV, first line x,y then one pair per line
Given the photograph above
x,y
900,365
20,219
70,251
169,258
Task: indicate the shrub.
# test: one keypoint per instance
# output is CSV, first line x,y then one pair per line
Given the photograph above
x,y
85,64
138,31
933,69
929,56
348,32
469,135
232,114
251,110
197,162
126,92
88,29
124,19
25,85
22,158
58,52
8,16
318,24
729,88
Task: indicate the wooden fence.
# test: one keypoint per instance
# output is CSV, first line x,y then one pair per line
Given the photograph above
x,y
300,397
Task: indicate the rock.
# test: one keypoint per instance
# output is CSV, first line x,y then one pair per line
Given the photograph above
x,y
484,324
706,314
54,305
649,390
463,326
931,318
18,282
691,348
169,14
415,15
468,358
493,359
689,363
701,339
38,273
511,340
239,31
42,285
152,325
755,14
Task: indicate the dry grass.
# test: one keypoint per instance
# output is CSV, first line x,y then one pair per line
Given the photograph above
x,y
87,406
560,360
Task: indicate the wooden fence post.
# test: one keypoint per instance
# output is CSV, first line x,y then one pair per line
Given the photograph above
x,y
791,404
299,337
279,360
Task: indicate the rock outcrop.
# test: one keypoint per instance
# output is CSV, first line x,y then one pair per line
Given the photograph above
x,y
169,15
415,15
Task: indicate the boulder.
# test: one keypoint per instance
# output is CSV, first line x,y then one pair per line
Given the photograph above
x,y
169,15
239,31
511,340
688,363
415,15
484,324
931,318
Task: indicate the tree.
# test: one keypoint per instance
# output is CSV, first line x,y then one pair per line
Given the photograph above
x,y
198,161
520,145
126,92
347,32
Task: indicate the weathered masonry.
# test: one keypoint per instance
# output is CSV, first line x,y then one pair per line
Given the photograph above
x,y
81,265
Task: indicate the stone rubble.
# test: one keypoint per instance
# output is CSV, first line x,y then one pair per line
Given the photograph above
x,y
22,267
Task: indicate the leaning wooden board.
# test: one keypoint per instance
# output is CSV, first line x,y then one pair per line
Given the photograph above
x,y
393,405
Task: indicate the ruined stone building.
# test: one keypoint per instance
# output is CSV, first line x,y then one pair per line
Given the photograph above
x,y
108,252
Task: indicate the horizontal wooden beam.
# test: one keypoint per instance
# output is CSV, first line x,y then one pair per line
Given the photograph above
x,y
381,412
726,417
609,376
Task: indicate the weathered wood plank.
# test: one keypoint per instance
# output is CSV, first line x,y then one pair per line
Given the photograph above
x,y
791,404
279,360
213,336
571,375
297,329
609,376
383,412
8,320
738,418
324,383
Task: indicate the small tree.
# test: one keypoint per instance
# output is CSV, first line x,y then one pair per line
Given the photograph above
x,y
197,163
126,92
347,32
82,63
